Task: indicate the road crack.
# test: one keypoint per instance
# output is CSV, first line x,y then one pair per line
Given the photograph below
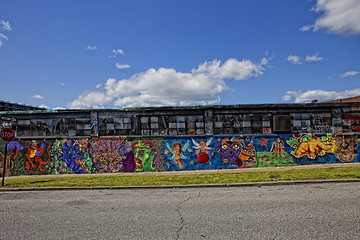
x,y
178,209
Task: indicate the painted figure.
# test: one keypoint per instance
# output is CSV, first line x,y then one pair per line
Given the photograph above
x,y
177,151
202,151
278,147
34,156
129,161
9,162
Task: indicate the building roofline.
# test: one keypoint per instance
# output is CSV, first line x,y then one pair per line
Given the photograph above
x,y
198,107
341,100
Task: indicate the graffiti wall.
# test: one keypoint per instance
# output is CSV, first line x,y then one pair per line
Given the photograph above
x,y
170,153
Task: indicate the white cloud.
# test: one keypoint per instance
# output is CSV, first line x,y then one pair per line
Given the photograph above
x,y
116,52
349,73
44,106
306,28
91,48
290,95
91,100
294,59
99,85
122,66
37,96
338,16
166,86
6,25
232,68
2,39
59,108
320,95
313,58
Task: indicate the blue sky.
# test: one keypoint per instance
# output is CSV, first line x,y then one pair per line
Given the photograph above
x,y
105,54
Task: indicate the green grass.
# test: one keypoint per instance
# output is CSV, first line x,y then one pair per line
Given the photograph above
x,y
148,180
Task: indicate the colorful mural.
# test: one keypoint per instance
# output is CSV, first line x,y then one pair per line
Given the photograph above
x,y
27,157
311,145
147,155
108,153
72,156
276,156
345,146
202,150
176,153
34,156
9,161
237,152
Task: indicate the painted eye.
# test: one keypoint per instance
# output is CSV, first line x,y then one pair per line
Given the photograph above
x,y
236,146
224,146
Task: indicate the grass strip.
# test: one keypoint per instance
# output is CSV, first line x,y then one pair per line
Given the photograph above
x,y
157,180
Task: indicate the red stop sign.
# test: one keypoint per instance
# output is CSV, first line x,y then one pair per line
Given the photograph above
x,y
7,134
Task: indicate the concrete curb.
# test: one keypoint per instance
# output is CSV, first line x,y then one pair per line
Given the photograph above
x,y
251,184
197,172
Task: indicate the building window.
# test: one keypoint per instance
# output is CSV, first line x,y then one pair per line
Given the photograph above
x,y
186,125
115,126
228,124
122,126
153,125
83,126
311,122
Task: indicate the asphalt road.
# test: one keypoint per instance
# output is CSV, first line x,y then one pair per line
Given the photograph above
x,y
313,211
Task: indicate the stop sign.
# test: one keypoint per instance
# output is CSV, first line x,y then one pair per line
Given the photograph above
x,y
7,134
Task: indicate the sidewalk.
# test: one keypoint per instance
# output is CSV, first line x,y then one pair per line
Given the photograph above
x,y
195,172
249,184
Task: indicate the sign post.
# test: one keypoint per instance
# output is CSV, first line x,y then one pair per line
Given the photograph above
x,y
7,134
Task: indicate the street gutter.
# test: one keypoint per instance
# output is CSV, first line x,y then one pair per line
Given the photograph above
x,y
250,184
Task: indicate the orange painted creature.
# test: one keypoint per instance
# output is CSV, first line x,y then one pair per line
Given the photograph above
x,y
34,154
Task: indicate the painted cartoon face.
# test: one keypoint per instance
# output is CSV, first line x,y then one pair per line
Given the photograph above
x,y
230,151
177,148
33,144
248,155
142,152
